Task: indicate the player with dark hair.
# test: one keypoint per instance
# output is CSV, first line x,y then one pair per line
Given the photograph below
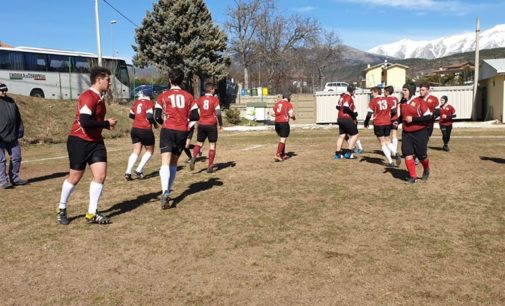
x,y
346,121
142,113
85,146
381,109
174,109
210,117
447,113
433,104
283,111
395,111
414,114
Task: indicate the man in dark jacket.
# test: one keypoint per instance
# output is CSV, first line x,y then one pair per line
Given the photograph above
x,y
11,129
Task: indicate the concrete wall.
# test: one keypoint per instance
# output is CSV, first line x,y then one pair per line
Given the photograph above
x,y
496,98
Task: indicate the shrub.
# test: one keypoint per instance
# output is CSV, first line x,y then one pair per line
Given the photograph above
x,y
232,116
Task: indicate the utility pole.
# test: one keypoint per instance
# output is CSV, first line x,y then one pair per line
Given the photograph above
x,y
476,72
98,38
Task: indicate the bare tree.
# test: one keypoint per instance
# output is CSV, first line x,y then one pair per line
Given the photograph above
x,y
321,56
242,28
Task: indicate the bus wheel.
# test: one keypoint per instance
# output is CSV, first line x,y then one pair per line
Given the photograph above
x,y
38,93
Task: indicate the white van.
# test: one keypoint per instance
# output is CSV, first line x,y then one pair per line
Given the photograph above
x,y
338,87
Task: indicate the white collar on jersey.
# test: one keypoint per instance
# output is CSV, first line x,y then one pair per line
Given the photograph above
x,y
209,95
175,87
97,92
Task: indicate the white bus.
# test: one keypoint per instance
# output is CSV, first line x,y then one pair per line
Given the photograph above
x,y
57,74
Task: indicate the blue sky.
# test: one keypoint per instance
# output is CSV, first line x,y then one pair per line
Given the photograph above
x,y
362,24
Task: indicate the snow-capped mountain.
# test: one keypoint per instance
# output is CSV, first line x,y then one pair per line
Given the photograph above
x,y
405,48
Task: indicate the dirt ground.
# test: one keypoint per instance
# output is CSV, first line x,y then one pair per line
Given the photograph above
x,y
310,230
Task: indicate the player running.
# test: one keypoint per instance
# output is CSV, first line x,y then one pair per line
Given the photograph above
x,y
210,116
85,146
447,113
283,111
415,114
381,109
174,109
142,113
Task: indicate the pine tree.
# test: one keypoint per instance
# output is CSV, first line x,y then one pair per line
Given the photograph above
x,y
181,34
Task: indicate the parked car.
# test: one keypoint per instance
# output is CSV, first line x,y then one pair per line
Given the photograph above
x,y
338,87
149,90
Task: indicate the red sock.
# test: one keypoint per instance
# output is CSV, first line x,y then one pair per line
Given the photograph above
x,y
280,148
411,166
196,150
426,164
212,154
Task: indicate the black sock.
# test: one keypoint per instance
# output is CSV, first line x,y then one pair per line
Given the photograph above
x,y
188,152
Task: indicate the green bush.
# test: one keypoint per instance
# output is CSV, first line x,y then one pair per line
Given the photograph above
x,y
232,116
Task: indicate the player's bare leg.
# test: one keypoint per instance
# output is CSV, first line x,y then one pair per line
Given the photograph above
x,y
187,150
352,143
340,142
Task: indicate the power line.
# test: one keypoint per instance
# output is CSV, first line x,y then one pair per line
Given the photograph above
x,y
123,15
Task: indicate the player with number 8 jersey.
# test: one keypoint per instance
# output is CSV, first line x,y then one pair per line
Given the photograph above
x,y
175,108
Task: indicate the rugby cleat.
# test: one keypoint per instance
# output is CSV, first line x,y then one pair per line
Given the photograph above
x,y
139,175
349,155
411,180
445,148
97,218
398,159
416,161
277,158
426,174
192,163
210,169
391,165
358,151
19,182
128,176
338,156
6,185
165,200
62,216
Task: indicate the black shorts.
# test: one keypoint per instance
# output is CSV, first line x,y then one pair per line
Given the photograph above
x,y
190,133
207,131
144,136
172,141
347,126
282,129
82,152
382,130
415,143
429,127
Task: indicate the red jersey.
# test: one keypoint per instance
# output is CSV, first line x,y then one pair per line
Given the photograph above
x,y
208,106
416,107
381,107
345,101
448,111
282,111
395,105
176,105
140,109
90,103
433,104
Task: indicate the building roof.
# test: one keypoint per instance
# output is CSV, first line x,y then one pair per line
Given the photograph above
x,y
491,68
385,66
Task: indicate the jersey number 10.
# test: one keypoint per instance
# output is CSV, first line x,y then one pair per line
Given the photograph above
x,y
177,101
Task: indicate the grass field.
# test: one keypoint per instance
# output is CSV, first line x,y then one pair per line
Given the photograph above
x,y
310,230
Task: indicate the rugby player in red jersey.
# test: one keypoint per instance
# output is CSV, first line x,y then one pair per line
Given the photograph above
x,y
142,113
381,109
447,113
414,114
346,121
85,146
283,111
210,116
395,111
433,104
174,109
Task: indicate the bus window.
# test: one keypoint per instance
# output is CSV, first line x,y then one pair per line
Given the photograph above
x,y
11,60
82,65
123,76
35,62
58,63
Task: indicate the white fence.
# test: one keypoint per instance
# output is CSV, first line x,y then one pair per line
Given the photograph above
x,y
461,98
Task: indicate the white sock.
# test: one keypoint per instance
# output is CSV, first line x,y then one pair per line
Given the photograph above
x,y
95,191
66,191
358,144
391,148
164,177
143,162
395,143
387,153
173,172
131,162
